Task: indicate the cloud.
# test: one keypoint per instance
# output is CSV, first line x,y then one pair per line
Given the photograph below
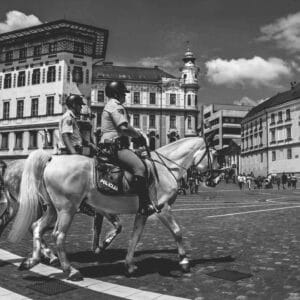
x,y
284,31
17,20
255,71
248,101
164,62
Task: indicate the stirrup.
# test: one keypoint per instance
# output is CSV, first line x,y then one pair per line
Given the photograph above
x,y
149,210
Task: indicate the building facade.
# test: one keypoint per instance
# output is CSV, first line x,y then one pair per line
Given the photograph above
x,y
39,67
161,105
225,122
271,135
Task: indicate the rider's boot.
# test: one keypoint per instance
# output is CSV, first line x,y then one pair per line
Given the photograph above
x,y
146,207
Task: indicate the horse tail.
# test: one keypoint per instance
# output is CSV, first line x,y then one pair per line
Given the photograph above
x,y
30,194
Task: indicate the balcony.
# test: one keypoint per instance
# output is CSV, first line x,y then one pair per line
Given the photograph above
x,y
273,142
288,139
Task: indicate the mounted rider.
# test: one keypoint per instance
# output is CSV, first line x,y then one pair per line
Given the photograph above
x,y
115,128
70,137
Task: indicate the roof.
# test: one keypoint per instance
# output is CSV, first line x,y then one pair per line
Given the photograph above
x,y
278,99
109,71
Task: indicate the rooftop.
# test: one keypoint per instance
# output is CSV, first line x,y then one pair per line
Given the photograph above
x,y
278,99
109,71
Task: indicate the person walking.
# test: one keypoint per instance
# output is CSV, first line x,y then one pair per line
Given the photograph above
x,y
240,180
294,181
116,129
283,180
277,180
289,180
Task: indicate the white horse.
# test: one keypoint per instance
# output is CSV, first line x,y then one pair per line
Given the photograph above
x,y
64,182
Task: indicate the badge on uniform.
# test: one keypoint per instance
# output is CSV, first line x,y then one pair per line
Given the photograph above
x,y
121,111
69,122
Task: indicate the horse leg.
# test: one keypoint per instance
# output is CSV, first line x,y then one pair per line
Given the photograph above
x,y
98,222
6,217
38,228
48,254
138,227
63,223
169,221
115,221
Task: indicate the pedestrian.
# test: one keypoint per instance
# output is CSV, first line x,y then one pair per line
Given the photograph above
x,y
283,180
116,130
192,184
240,180
289,180
277,179
294,181
249,180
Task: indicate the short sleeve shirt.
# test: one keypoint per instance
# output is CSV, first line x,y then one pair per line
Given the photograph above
x,y
114,115
68,124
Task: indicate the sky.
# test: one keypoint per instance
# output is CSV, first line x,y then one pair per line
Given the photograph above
x,y
247,50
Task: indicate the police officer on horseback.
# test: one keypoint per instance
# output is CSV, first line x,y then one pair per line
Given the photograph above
x,y
70,140
115,127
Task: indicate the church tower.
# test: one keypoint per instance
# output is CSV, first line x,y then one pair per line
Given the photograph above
x,y
190,86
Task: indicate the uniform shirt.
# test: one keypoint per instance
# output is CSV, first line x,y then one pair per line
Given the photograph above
x,y
114,115
68,124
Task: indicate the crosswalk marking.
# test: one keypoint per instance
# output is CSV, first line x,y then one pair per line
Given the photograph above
x,y
88,283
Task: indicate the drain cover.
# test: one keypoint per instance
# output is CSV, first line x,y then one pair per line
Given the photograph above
x,y
229,275
52,287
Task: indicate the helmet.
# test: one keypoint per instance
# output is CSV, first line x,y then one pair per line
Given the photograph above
x,y
115,89
74,99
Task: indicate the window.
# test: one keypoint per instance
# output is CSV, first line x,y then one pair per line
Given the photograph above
x,y
172,99
7,81
152,121
196,100
78,48
136,97
273,135
36,76
273,155
279,116
52,48
189,122
21,78
22,53
51,74
44,75
189,100
87,76
59,73
5,110
272,118
34,107
100,96
19,140
136,120
261,157
37,50
20,108
8,56
288,114
172,121
289,153
152,98
260,123
4,141
69,74
50,106
77,74
289,132
32,139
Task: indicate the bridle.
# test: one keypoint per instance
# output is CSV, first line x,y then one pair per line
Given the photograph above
x,y
209,180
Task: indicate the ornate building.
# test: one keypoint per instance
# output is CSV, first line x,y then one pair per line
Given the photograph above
x,y
270,135
161,105
40,65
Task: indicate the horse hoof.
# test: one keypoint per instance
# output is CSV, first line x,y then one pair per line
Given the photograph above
x,y
131,270
54,262
75,276
185,268
25,265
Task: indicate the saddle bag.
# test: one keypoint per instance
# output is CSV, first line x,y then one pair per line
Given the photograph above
x,y
109,178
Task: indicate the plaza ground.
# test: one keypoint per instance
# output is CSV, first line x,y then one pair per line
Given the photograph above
x,y
255,233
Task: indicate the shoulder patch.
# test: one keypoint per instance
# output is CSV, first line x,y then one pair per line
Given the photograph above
x,y
121,111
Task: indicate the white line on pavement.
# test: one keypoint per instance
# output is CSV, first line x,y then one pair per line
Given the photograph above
x,y
9,295
252,211
88,283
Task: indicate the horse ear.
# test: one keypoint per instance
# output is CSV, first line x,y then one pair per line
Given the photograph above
x,y
210,139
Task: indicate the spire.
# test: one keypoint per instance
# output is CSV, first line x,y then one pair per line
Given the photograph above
x,y
189,55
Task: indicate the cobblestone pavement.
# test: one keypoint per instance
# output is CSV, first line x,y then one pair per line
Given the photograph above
x,y
252,232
